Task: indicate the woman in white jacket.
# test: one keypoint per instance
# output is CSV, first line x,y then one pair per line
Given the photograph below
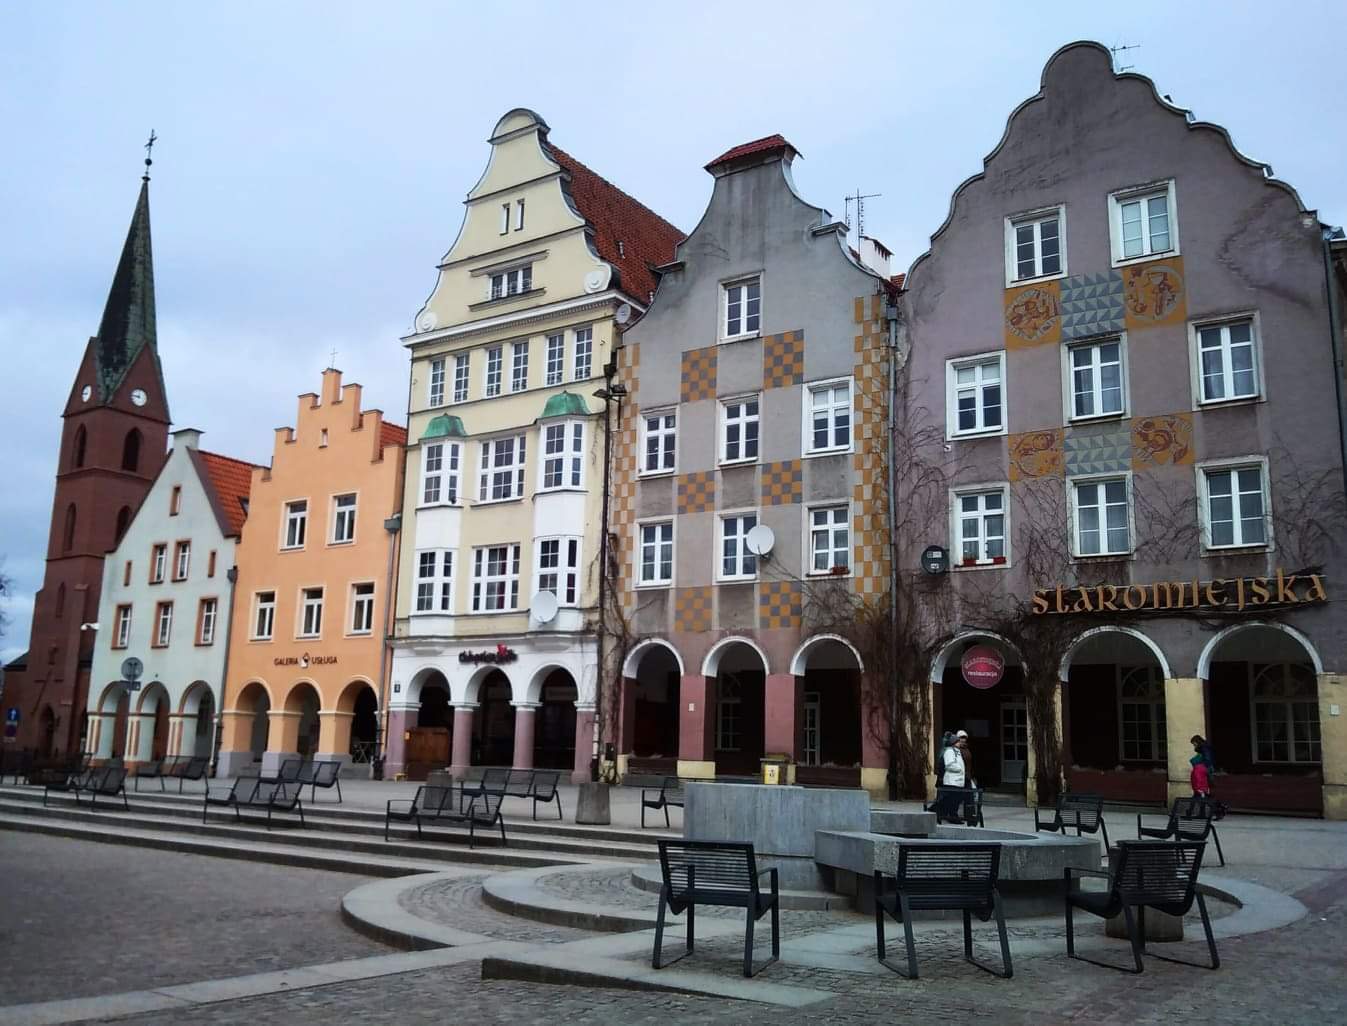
x,y
955,776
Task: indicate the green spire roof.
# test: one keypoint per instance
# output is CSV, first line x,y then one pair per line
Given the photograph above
x,y
565,404
444,426
128,318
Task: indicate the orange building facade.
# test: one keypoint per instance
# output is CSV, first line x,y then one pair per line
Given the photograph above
x,y
315,561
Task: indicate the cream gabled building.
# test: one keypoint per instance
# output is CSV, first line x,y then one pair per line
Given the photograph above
x,y
495,650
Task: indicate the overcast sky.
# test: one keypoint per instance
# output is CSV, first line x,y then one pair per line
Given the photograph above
x,y
313,158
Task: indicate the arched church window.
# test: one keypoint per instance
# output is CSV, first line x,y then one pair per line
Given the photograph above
x,y
60,600
81,444
123,521
68,538
131,450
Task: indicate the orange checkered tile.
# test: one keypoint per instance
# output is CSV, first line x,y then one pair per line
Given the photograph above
x,y
697,492
782,482
871,543
692,609
783,359
780,604
699,374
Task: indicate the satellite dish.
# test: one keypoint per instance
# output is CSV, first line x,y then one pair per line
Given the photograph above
x,y
760,540
623,313
543,606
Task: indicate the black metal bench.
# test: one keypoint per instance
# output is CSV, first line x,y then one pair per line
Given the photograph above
x,y
482,809
720,873
288,773
670,794
946,877
1082,812
1190,819
430,802
1146,874
969,799
193,768
156,770
545,791
324,773
108,781
256,793
71,778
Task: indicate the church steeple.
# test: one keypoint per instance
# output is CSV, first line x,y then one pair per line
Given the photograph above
x,y
128,323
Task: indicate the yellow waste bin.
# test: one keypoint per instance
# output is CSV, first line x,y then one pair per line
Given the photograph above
x,y
774,768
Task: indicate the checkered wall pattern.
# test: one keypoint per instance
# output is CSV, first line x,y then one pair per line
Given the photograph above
x,y
782,482
692,609
622,508
871,543
780,605
783,359
698,374
697,492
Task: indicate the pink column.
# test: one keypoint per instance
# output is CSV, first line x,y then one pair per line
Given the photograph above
x,y
874,723
781,728
525,715
696,718
395,746
462,754
584,743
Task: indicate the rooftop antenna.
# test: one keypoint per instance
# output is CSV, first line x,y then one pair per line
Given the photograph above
x,y
149,145
333,364
1118,51
859,200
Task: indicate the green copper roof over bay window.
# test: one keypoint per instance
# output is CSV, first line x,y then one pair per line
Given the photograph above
x,y
444,426
565,404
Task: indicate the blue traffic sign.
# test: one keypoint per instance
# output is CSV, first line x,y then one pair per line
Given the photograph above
x,y
12,715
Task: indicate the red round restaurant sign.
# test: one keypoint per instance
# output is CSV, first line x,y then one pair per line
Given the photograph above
x,y
983,666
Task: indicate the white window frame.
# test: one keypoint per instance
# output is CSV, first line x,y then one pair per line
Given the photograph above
x,y
510,282
1288,704
555,362
361,603
294,524
1233,465
657,542
435,385
1155,710
1195,329
504,218
807,447
493,373
566,571
1034,217
163,625
519,215
1106,552
158,562
309,618
831,508
519,365
482,578
433,592
567,463
582,358
723,316
1069,379
260,609
441,468
123,636
344,515
743,558
182,560
729,716
722,417
955,525
514,469
666,438
1142,193
209,614
952,367
462,376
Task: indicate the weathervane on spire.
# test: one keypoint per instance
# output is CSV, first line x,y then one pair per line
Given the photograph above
x,y
149,145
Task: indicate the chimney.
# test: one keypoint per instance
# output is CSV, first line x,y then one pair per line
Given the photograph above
x,y
874,255
186,438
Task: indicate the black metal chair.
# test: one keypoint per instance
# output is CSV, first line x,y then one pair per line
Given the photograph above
x,y
194,768
324,773
109,783
1190,819
1083,813
545,791
430,802
669,795
156,770
1147,874
947,877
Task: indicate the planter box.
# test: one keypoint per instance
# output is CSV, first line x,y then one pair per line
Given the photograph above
x,y
1139,785
1274,792
828,776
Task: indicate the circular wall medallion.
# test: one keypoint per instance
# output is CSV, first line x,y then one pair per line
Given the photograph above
x,y
983,666
597,279
426,321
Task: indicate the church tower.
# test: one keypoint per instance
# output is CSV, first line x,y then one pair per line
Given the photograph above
x,y
113,443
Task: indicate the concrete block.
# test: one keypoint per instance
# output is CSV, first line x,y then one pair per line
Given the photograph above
x,y
592,804
902,824
779,820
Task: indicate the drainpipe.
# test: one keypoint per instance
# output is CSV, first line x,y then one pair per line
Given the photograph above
x,y
1330,235
233,576
891,315
392,525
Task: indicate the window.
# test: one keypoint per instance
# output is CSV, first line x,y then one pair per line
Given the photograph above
x,y
182,560
1096,376
123,521
210,564
1227,361
1235,505
493,365
296,523
439,473
519,215
495,578
584,353
519,367
980,526
311,613
1142,222
657,550
828,417
126,574
1141,698
264,615
739,430
122,632
729,715
556,358
512,282
829,539
660,438
434,581
362,608
502,472
81,445
175,501
435,392
205,622
462,367
1285,714
504,218
68,542
742,308
736,562
163,624
131,450
1101,517
563,455
158,564
1034,246
558,568
343,519
974,400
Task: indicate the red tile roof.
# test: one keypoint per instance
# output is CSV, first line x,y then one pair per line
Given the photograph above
x,y
763,145
392,434
230,480
628,234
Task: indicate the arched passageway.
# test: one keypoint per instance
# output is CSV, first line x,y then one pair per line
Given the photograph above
x,y
650,710
740,688
255,703
829,717
430,736
554,730
364,726
993,712
493,725
301,706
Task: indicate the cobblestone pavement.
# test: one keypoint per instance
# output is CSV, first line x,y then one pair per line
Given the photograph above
x,y
79,918
458,903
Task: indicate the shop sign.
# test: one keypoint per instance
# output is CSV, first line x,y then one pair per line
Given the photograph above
x,y
1224,595
983,667
501,654
305,661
